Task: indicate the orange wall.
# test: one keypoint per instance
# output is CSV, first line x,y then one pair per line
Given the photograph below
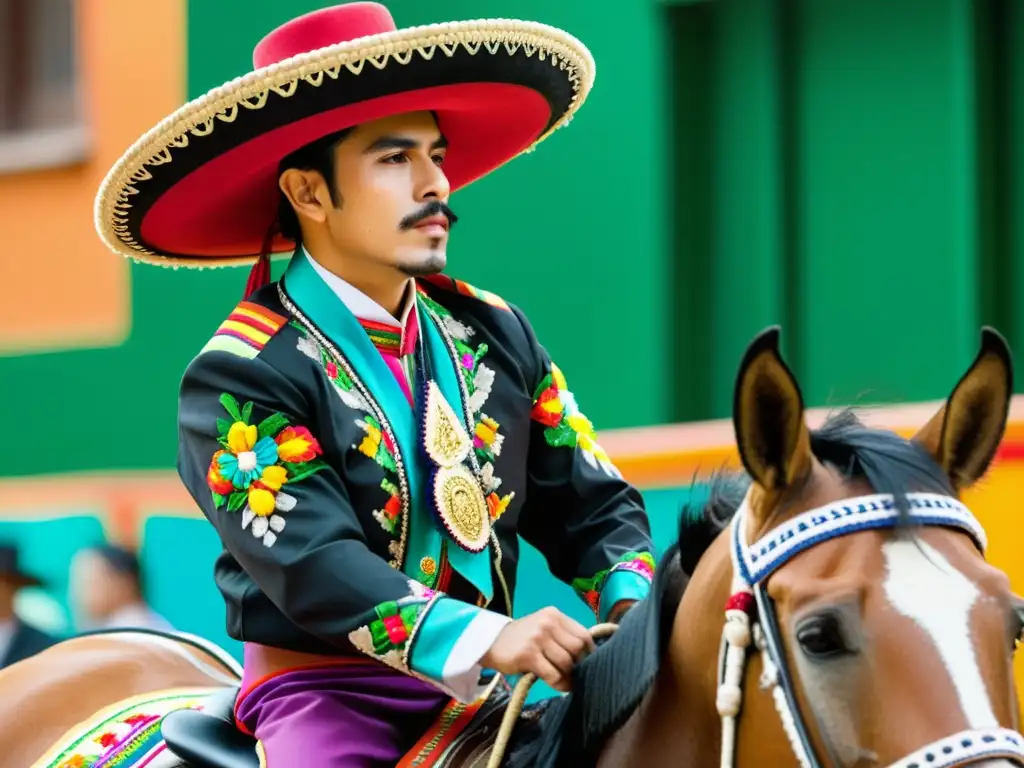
x,y
133,59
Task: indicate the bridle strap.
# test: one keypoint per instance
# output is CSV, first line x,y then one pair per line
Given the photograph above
x,y
751,618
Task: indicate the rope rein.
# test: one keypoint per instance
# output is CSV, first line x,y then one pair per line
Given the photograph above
x,y
518,701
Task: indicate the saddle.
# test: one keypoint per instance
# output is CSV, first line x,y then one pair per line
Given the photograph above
x,y
209,738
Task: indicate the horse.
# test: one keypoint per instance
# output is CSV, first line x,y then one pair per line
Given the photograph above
x,y
829,605
862,625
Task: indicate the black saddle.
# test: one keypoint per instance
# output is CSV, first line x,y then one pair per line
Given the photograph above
x,y
209,738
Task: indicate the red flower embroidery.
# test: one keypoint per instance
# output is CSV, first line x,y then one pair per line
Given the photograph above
x,y
396,630
214,478
548,409
107,740
296,444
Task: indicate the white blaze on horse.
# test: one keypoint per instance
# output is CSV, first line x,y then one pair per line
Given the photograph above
x,y
831,608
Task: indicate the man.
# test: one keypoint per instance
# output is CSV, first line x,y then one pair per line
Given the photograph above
x,y
18,640
106,584
367,435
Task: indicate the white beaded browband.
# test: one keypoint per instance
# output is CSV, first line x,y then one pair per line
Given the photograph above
x,y
749,617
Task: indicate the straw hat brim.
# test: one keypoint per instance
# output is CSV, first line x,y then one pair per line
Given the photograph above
x,y
200,188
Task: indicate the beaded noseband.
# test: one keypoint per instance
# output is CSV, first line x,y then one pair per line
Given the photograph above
x,y
750,618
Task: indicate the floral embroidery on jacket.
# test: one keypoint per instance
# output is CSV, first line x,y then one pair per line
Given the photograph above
x,y
589,590
376,444
342,383
387,636
555,407
255,462
479,381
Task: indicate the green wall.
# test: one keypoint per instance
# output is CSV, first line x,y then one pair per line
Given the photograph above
x,y
845,167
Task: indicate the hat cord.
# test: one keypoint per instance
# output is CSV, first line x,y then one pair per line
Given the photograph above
x,y
259,276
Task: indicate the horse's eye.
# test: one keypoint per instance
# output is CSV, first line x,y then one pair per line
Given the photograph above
x,y
820,637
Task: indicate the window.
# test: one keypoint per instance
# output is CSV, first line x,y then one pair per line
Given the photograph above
x,y
41,116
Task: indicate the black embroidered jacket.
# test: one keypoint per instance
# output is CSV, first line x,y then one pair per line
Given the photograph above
x,y
296,464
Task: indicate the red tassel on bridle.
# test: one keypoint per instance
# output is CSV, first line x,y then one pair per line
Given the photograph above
x,y
260,274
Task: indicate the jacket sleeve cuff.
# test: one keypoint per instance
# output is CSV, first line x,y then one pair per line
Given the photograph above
x,y
621,585
448,643
628,579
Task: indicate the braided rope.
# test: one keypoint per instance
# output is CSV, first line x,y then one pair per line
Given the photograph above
x,y
518,701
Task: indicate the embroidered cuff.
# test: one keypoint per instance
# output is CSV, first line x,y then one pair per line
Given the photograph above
x,y
388,636
621,585
629,579
450,641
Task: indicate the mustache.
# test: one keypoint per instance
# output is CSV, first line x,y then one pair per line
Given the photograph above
x,y
433,208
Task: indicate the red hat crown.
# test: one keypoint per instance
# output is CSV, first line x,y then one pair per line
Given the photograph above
x,y
320,29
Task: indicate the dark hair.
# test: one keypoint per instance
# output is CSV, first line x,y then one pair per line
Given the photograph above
x,y
120,560
317,156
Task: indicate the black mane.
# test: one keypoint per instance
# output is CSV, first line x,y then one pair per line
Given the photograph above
x,y
888,462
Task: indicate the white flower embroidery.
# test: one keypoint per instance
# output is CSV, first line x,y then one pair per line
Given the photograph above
x,y
352,399
491,483
482,383
418,590
308,347
267,528
460,331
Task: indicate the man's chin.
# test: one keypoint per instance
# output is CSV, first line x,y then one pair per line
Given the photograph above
x,y
432,265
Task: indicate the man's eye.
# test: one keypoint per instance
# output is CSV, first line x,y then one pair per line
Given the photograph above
x,y
399,158
438,159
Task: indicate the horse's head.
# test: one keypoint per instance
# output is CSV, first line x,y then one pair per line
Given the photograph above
x,y
885,637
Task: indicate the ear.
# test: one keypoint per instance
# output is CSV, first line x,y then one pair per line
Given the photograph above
x,y
301,189
768,416
964,435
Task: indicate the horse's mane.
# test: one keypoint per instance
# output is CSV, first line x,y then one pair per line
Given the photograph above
x,y
888,462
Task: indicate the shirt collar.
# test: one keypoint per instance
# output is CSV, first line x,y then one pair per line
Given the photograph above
x,y
396,336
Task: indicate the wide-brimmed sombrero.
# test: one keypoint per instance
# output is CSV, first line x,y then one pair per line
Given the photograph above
x,y
200,189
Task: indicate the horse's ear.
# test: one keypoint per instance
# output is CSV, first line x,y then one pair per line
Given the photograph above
x,y
964,435
768,416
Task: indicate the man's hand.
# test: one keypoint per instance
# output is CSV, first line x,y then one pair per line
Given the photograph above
x,y
547,643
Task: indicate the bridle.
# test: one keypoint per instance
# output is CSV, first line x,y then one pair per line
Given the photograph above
x,y
750,618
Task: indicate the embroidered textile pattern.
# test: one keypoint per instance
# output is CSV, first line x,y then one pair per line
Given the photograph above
x,y
246,331
478,380
640,563
384,337
555,407
451,723
255,462
376,444
394,516
388,636
458,286
123,735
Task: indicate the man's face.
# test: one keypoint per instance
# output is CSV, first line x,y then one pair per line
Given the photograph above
x,y
388,173
91,586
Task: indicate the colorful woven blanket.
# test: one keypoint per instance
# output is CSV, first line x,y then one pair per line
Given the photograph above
x,y
125,735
